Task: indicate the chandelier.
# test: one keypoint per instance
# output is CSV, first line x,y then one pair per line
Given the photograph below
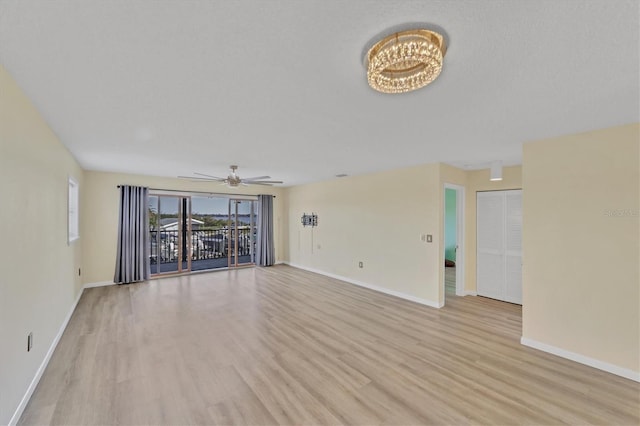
x,y
405,61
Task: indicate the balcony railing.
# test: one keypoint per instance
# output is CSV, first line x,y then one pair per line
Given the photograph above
x,y
205,244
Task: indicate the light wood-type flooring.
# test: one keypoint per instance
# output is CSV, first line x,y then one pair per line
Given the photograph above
x,y
266,346
449,281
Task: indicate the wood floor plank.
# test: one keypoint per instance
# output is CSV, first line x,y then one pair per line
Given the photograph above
x,y
285,398
279,345
245,410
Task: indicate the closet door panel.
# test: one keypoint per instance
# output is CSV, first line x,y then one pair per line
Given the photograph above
x,y
490,221
490,245
490,276
499,245
513,279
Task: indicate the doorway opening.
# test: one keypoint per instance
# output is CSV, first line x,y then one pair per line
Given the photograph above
x,y
453,250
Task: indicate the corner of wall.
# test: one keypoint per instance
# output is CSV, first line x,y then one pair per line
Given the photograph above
x,y
35,168
581,299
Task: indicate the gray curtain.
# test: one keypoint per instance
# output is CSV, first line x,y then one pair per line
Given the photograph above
x,y
265,251
132,260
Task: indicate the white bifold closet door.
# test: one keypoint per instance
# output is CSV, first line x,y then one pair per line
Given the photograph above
x,y
499,245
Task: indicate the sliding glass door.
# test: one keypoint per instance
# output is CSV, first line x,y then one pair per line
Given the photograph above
x,y
196,233
169,226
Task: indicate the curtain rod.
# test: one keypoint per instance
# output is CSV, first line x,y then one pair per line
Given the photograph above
x,y
203,192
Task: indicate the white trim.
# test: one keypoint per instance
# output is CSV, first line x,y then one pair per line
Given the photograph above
x,y
43,366
582,359
73,211
370,286
470,293
99,284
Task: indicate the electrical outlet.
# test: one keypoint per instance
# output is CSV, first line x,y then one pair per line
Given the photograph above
x,y
429,238
423,238
29,341
360,265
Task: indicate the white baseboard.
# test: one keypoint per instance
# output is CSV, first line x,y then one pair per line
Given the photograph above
x,y
43,366
370,286
582,359
470,293
99,284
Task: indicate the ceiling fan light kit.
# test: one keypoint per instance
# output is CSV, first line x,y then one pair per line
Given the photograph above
x,y
405,61
233,180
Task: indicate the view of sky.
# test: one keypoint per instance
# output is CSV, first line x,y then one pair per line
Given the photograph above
x,y
199,205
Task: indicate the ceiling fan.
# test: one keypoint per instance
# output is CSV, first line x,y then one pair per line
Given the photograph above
x,y
233,179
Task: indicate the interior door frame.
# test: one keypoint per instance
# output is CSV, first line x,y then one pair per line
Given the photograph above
x,y
460,233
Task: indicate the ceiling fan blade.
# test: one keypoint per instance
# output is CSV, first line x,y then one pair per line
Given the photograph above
x,y
197,179
209,176
256,178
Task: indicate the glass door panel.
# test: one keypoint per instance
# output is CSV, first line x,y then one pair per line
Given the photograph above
x,y
170,229
154,220
209,232
242,232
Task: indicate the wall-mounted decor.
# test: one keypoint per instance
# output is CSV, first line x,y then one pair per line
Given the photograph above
x,y
309,219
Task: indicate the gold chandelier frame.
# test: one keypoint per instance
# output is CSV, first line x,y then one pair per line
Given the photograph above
x,y
405,61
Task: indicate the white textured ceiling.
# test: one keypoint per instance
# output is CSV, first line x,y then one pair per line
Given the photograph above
x,y
278,87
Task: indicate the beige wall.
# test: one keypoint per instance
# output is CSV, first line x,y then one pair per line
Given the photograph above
x,y
581,232
40,280
100,212
377,219
478,180
407,203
